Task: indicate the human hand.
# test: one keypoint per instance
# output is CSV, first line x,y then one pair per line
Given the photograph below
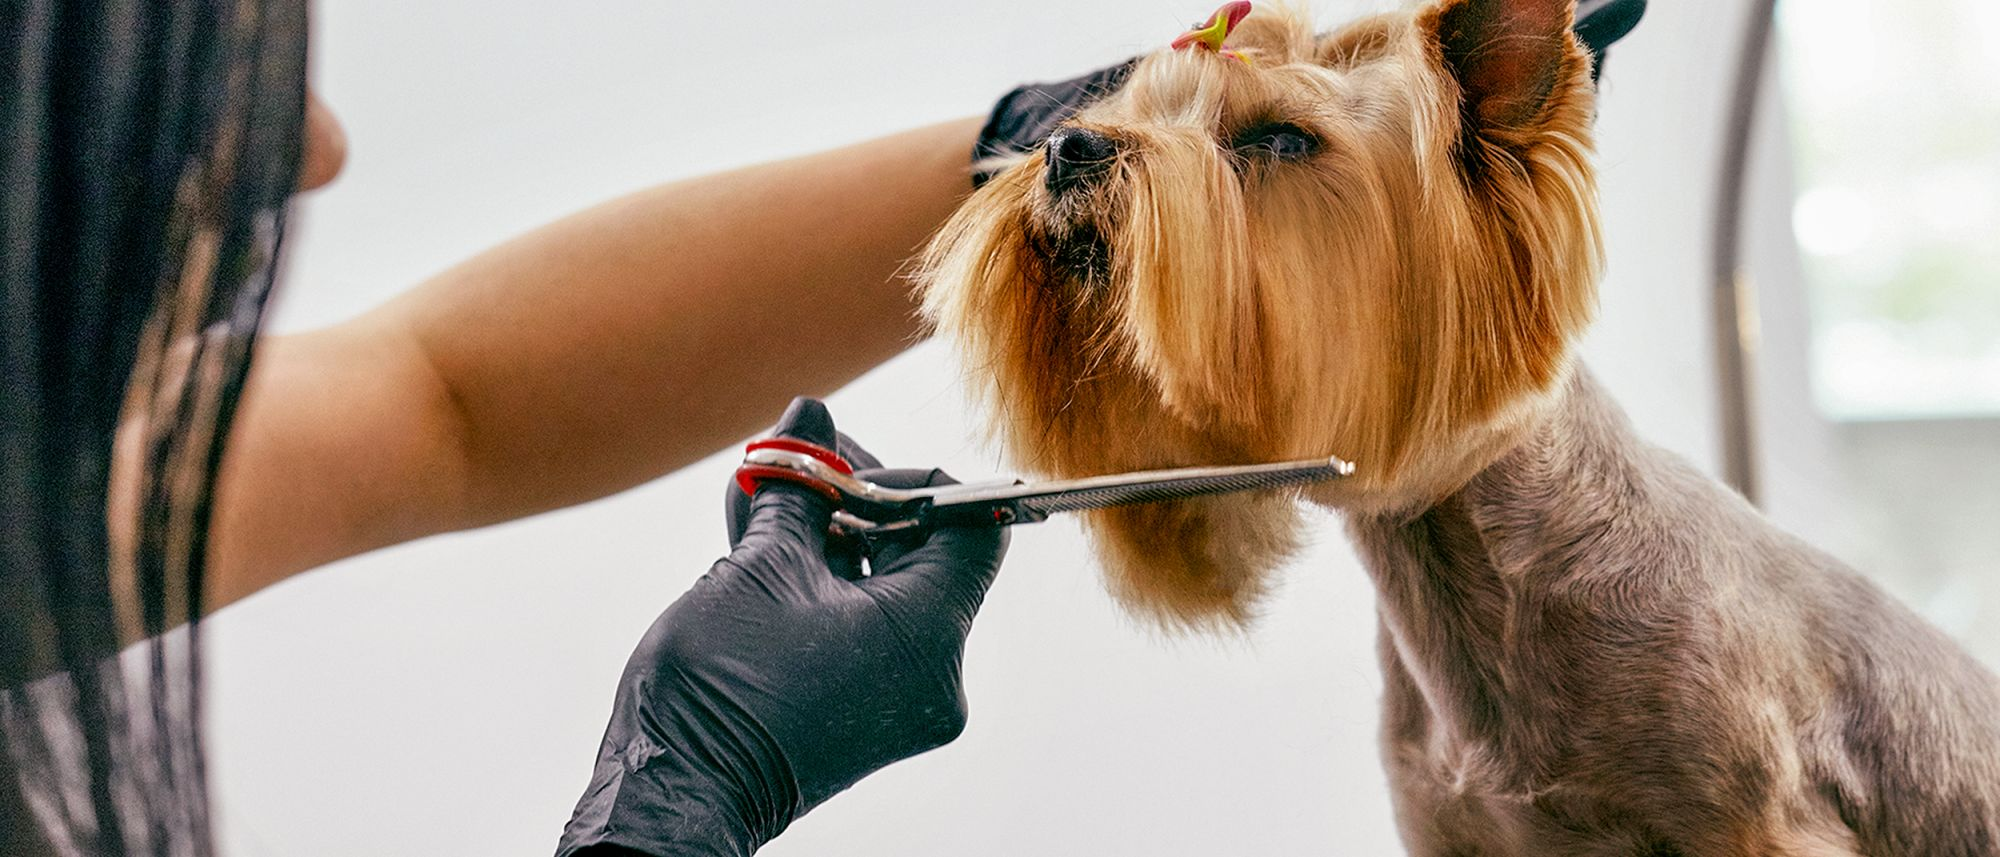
x,y
785,675
1601,22
1024,117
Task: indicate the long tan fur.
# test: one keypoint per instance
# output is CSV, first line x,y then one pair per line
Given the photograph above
x,y
1388,300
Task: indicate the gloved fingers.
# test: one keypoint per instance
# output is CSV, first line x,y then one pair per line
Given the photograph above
x,y
805,419
950,570
934,592
943,579
1023,118
736,508
782,530
887,551
786,530
962,561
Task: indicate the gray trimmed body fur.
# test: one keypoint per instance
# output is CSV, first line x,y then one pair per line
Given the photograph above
x,y
1593,649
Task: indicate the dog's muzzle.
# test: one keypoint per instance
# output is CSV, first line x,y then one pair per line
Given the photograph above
x,y
1077,157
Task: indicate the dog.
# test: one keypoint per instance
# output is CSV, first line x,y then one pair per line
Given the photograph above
x,y
1382,243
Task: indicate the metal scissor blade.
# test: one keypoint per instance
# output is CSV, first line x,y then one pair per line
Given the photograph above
x,y
1035,501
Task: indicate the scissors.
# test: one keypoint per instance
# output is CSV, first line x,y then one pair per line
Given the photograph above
x,y
868,513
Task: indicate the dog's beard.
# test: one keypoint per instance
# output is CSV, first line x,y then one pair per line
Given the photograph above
x,y
1076,254
1057,308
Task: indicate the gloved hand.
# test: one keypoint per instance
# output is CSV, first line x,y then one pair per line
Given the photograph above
x,y
783,676
1601,22
1024,117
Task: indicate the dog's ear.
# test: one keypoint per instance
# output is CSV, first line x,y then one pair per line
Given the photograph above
x,y
1510,59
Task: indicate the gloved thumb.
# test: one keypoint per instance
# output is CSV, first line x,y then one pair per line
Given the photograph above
x,y
806,419
782,510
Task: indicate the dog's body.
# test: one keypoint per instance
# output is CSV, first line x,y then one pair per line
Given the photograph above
x,y
1381,243
1591,648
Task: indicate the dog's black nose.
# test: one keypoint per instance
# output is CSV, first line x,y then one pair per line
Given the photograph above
x,y
1078,155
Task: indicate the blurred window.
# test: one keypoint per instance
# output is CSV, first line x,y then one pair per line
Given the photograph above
x,y
1895,112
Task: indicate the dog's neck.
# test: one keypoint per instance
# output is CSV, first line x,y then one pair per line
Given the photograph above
x,y
1530,459
1446,574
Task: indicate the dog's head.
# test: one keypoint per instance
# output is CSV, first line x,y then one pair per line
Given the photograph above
x,y
1376,243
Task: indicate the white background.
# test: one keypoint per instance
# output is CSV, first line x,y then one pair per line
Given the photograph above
x,y
447,697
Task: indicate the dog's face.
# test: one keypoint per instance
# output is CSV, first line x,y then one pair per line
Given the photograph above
x,y
1375,243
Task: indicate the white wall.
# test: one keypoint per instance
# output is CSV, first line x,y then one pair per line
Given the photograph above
x,y
447,697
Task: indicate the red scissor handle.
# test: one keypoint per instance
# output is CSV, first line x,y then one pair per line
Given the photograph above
x,y
750,476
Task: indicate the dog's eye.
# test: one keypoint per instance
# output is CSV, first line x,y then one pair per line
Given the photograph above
x,y
1277,140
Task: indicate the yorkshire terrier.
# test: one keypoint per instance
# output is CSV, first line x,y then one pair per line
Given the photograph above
x,y
1382,243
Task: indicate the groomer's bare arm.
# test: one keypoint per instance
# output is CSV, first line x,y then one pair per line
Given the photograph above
x,y
582,358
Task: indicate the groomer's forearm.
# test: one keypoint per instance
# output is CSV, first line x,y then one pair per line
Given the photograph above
x,y
587,356
638,336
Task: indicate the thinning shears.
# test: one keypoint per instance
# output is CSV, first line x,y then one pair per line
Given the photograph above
x,y
868,512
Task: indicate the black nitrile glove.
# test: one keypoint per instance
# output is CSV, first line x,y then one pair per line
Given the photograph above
x,y
1024,117
1601,22
782,676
